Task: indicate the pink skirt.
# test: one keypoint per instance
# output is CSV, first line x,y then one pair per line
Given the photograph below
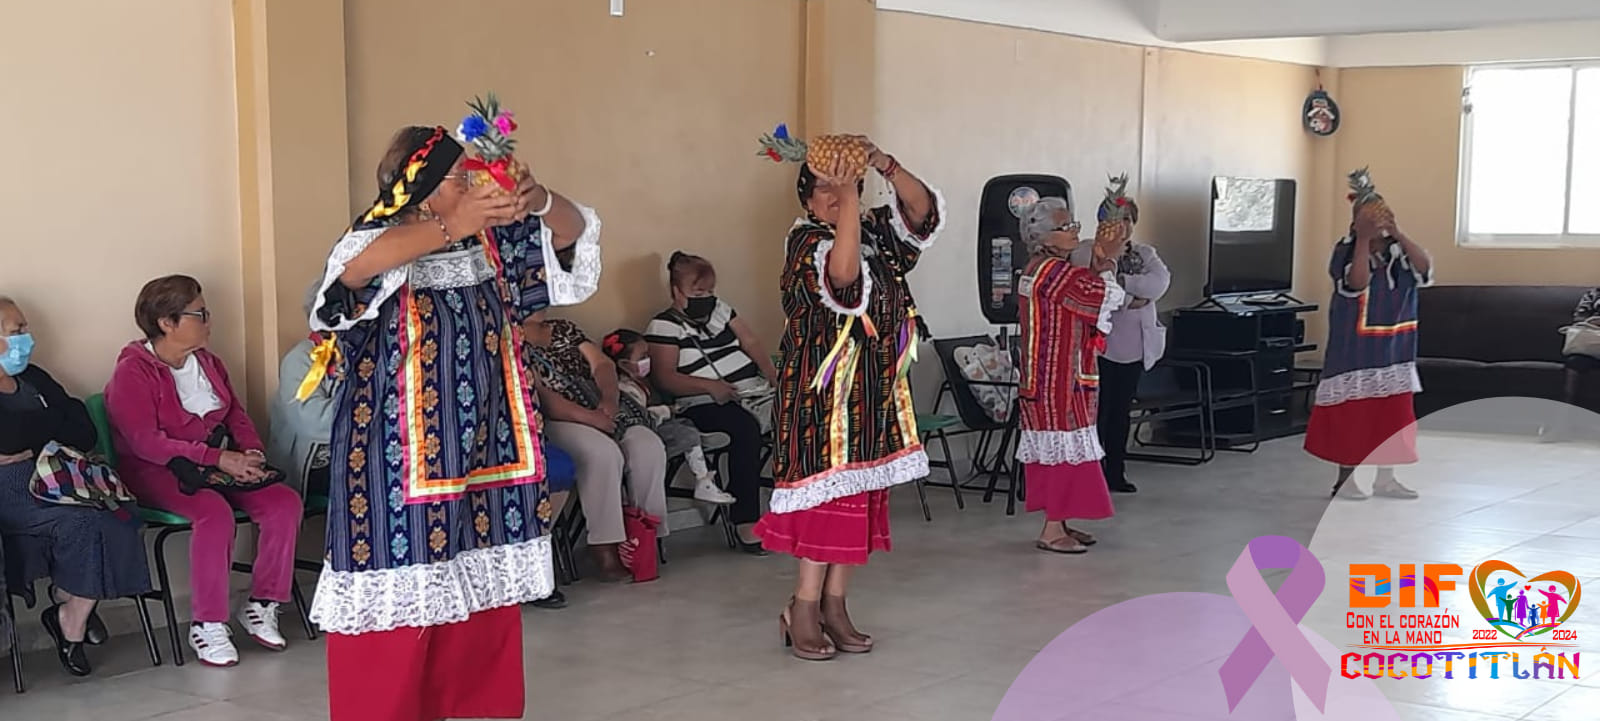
x,y
1370,431
1068,491
843,531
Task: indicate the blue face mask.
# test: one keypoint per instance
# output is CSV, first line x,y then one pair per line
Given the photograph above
x,y
19,348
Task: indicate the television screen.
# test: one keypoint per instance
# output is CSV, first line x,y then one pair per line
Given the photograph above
x,y
1252,235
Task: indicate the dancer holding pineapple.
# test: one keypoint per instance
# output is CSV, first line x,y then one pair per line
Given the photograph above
x,y
846,431
438,515
1363,412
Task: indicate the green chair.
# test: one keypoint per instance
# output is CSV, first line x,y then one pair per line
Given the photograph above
x,y
168,524
937,426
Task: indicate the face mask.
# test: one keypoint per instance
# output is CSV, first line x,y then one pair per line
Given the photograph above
x,y
700,308
643,366
18,349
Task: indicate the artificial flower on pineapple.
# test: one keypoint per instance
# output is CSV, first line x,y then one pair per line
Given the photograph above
x,y
820,153
487,131
1112,232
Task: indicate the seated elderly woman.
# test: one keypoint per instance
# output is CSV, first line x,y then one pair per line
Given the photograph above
x,y
579,396
89,555
302,415
706,356
186,446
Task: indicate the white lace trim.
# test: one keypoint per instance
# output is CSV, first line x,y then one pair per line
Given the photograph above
x,y
1053,448
1365,383
903,230
1115,296
346,250
825,287
571,287
432,594
839,484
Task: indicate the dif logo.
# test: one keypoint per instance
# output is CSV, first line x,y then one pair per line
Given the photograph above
x,y
1383,592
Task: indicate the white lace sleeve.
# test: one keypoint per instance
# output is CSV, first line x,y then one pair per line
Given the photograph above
x,y
902,230
825,289
1423,279
571,287
346,250
1113,299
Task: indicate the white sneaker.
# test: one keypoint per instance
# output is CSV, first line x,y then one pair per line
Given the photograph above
x,y
260,620
213,644
706,491
1351,492
1391,488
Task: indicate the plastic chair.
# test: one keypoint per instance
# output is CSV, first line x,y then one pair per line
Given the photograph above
x,y
169,524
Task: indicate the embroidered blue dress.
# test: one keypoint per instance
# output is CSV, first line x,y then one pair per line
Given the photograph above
x,y
1363,412
437,510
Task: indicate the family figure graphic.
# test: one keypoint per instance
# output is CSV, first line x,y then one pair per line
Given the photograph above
x,y
1522,611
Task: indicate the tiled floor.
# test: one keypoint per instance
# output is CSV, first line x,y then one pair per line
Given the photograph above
x,y
959,608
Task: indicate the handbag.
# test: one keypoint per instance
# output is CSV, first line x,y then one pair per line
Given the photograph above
x,y
66,476
755,395
638,553
193,477
1582,339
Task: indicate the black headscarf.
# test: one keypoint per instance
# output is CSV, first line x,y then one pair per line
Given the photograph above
x,y
424,169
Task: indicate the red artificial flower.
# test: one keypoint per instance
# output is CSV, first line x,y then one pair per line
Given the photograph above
x,y
1351,197
776,158
1122,202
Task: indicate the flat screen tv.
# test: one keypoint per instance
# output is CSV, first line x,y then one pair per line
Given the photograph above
x,y
1252,236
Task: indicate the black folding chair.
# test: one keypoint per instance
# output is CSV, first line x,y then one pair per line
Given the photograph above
x,y
1174,391
989,457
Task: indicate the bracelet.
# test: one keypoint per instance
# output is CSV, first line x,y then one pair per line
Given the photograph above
x,y
443,230
892,170
549,202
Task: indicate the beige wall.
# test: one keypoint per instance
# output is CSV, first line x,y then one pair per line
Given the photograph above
x,y
651,118
1006,101
123,149
1021,101
1406,124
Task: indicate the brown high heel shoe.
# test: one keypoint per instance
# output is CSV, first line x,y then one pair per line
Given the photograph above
x,y
837,627
801,626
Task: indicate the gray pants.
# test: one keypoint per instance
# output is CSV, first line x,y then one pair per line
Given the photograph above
x,y
602,462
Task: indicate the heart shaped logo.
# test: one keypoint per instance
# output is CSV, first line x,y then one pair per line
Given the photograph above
x,y
1522,607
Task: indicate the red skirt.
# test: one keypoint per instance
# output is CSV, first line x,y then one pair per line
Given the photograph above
x,y
1068,491
471,669
843,531
1370,431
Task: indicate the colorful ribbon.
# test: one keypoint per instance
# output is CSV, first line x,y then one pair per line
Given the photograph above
x,y
324,355
500,170
1274,619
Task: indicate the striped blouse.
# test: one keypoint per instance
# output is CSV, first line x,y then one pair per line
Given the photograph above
x,y
707,350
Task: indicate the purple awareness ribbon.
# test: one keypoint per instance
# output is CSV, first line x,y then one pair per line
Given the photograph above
x,y
1274,620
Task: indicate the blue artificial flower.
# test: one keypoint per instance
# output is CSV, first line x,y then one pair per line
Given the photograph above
x,y
472,128
782,133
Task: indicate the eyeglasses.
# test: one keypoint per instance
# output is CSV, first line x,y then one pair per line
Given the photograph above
x,y
204,314
1072,227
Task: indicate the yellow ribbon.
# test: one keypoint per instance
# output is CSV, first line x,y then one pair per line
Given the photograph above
x,y
323,355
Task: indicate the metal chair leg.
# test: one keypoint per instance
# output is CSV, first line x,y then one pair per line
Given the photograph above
x,y
16,646
922,497
149,631
950,469
304,609
165,593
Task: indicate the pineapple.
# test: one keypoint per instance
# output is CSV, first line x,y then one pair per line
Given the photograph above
x,y
1111,233
820,153
488,130
1365,200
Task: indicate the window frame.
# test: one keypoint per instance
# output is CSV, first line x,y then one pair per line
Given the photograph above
x,y
1566,239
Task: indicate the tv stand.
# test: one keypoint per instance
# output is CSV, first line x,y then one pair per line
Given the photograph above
x,y
1254,390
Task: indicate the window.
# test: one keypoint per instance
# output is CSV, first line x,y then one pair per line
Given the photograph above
x,y
1530,159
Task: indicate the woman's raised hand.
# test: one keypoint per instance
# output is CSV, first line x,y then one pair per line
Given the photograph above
x,y
484,206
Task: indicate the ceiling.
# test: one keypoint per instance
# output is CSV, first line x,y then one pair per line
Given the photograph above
x,y
1203,20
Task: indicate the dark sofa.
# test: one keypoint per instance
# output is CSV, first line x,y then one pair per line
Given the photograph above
x,y
1479,341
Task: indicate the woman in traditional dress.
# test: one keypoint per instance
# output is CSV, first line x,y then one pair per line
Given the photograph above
x,y
1363,412
846,431
1065,312
438,514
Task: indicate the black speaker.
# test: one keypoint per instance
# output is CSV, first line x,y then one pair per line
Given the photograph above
x,y
1001,257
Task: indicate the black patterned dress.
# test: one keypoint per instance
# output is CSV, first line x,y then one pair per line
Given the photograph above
x,y
846,430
